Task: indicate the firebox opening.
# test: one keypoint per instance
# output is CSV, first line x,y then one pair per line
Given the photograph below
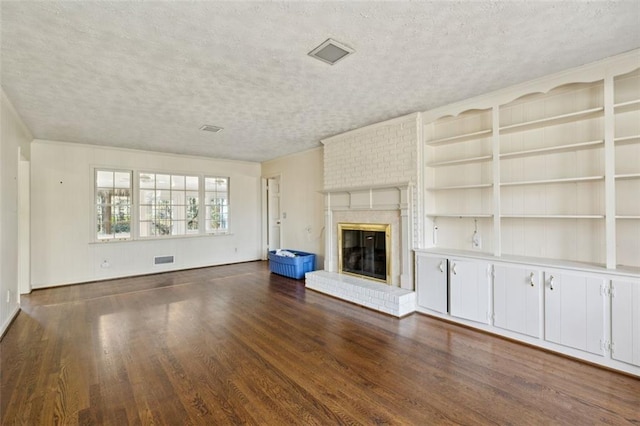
x,y
364,249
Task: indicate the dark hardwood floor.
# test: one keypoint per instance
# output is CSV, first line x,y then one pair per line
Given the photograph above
x,y
235,344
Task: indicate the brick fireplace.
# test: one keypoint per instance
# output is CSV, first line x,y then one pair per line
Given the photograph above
x,y
386,206
370,177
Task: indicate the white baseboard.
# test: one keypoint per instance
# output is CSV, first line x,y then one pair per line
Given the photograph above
x,y
7,323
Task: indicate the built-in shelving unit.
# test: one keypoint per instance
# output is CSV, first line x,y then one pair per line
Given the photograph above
x,y
626,98
533,223
459,176
536,171
552,173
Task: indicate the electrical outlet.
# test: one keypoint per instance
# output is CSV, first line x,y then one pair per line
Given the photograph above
x,y
476,241
105,264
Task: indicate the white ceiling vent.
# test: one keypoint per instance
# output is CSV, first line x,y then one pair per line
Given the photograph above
x,y
210,128
331,52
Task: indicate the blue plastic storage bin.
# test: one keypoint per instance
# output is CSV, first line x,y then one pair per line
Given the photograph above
x,y
292,267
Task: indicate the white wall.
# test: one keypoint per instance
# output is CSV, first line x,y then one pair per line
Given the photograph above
x,y
62,247
302,200
14,139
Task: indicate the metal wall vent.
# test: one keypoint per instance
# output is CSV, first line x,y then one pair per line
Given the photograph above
x,y
210,128
331,52
161,260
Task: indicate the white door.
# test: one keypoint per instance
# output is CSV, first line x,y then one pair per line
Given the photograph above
x,y
469,289
574,311
516,299
431,276
274,218
625,321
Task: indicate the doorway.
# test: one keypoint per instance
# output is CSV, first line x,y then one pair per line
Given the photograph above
x,y
274,215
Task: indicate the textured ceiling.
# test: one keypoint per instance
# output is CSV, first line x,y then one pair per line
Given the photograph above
x,y
148,75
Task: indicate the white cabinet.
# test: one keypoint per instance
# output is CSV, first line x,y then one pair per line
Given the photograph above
x,y
459,287
469,288
585,313
517,296
625,321
431,276
574,310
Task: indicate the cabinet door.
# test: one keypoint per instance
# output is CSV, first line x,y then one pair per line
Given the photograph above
x,y
516,299
574,311
469,289
431,275
625,321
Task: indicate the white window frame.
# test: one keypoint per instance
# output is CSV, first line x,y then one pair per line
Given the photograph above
x,y
94,204
134,223
170,206
206,206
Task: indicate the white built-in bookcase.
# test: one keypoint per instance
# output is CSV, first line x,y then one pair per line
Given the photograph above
x,y
549,169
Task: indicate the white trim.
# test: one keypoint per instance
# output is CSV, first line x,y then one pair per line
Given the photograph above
x,y
288,156
10,319
140,151
623,63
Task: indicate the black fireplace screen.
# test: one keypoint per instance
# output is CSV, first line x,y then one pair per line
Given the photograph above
x,y
364,252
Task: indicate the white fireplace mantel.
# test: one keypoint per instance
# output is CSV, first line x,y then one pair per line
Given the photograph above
x,y
390,204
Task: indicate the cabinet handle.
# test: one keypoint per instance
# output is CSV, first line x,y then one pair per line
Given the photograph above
x,y
531,279
441,266
453,269
551,282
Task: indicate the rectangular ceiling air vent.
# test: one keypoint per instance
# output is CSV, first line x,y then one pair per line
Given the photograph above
x,y
331,52
210,128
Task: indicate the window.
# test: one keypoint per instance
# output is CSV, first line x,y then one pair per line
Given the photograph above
x,y
216,195
168,204
113,204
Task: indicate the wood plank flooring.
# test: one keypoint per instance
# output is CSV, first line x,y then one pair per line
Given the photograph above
x,y
237,345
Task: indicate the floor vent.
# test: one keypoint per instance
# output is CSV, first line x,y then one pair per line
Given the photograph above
x,y
161,260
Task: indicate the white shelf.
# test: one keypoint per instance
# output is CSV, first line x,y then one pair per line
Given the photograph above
x,y
552,216
461,138
628,176
473,186
627,106
554,149
627,139
461,161
548,181
551,121
465,215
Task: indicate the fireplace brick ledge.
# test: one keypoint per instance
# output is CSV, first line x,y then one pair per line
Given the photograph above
x,y
370,294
